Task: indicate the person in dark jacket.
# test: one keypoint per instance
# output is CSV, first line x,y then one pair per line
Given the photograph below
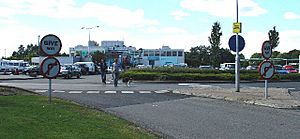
x,y
103,70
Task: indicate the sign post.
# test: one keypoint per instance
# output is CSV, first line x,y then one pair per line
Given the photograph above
x,y
50,67
266,68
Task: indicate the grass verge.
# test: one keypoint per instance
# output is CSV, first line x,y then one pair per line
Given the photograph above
x,y
24,115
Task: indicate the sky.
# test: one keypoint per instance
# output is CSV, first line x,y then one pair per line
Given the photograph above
x,y
148,24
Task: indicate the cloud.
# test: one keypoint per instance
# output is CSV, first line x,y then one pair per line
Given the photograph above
x,y
68,9
291,16
179,14
289,40
224,8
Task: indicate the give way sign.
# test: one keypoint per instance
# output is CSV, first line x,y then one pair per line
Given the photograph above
x,y
266,70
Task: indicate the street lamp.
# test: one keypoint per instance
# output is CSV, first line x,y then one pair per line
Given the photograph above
x,y
89,28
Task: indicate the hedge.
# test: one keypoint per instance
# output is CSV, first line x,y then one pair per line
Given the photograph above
x,y
196,74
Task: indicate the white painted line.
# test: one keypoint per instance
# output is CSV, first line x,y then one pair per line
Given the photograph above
x,y
75,92
291,88
110,92
58,91
161,91
40,91
92,92
183,84
127,92
145,92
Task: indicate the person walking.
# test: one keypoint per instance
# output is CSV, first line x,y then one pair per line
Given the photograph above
x,y
116,72
103,69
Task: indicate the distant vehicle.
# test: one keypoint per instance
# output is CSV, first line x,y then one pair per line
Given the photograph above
x,y
206,67
252,68
68,71
180,65
227,66
33,71
290,69
13,65
87,67
280,70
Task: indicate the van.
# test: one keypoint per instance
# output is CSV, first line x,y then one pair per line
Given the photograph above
x,y
227,66
86,67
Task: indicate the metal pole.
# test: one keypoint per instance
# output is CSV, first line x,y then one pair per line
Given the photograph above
x,y
237,57
49,91
266,89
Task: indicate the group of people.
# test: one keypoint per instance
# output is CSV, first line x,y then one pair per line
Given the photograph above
x,y
115,71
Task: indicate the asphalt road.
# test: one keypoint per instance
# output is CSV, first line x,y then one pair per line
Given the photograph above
x,y
175,115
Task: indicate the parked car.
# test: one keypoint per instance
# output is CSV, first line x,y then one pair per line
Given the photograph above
x,y
33,71
206,67
290,69
68,71
252,68
280,70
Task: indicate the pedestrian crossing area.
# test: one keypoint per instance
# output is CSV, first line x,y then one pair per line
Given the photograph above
x,y
106,91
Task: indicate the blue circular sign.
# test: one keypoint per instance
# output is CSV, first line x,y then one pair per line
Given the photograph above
x,y
232,43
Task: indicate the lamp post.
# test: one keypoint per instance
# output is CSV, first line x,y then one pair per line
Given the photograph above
x,y
89,28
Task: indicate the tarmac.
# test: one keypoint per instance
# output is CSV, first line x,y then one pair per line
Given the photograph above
x,y
278,97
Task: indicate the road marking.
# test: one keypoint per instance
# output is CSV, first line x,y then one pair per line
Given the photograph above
x,y
58,91
161,91
75,92
145,92
40,91
92,92
110,92
127,92
183,84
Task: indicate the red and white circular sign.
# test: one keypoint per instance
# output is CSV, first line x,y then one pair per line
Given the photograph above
x,y
266,50
50,45
266,70
50,67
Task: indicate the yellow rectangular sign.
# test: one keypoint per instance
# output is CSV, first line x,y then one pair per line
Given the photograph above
x,y
237,27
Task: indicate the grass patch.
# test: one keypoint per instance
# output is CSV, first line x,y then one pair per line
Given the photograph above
x,y
30,116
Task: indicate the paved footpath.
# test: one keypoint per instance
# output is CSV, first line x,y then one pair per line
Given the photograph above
x,y
278,97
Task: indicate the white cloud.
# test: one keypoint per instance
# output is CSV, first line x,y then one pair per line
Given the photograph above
x,y
291,16
67,9
179,14
289,40
224,8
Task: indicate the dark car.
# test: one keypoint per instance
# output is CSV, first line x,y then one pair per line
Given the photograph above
x,y
33,71
69,71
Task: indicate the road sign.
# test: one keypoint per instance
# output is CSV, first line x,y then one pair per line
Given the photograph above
x,y
237,27
50,45
266,50
266,70
50,67
232,43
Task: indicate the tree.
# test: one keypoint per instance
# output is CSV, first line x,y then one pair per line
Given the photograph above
x,y
215,43
197,56
274,37
97,56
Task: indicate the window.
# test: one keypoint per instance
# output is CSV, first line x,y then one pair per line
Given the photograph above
x,y
180,53
168,53
163,53
156,53
146,53
151,53
174,53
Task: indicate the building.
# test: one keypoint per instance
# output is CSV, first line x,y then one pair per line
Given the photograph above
x,y
164,56
83,51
